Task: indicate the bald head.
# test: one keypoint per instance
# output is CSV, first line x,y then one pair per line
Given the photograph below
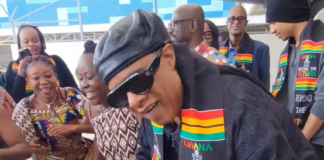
x,y
187,25
237,21
238,10
192,11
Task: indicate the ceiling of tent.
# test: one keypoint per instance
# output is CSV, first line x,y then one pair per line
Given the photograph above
x,y
316,5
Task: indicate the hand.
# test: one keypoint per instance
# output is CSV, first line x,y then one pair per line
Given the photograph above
x,y
21,69
132,157
37,148
60,129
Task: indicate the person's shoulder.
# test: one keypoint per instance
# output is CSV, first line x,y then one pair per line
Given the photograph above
x,y
11,63
260,44
72,91
249,99
146,125
238,88
54,56
218,58
222,44
74,95
57,59
22,104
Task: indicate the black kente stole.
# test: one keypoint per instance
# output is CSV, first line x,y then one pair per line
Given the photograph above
x,y
202,134
311,50
244,53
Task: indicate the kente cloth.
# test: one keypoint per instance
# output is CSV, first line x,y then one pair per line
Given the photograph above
x,y
244,53
211,54
309,68
15,67
225,116
34,124
116,132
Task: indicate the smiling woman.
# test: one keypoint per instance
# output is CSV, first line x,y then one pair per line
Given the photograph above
x,y
31,39
50,118
120,126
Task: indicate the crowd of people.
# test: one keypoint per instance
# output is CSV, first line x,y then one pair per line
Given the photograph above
x,y
181,93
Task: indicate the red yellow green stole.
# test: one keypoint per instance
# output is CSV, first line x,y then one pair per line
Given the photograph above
x,y
243,61
198,130
15,67
306,78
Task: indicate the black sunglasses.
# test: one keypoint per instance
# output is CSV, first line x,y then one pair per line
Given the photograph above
x,y
139,83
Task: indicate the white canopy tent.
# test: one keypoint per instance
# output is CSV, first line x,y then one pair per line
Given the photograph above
x,y
316,5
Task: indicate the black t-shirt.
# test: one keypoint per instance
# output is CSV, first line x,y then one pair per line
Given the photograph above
x,y
171,140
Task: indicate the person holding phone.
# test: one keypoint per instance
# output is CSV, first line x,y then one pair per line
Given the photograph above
x,y
32,42
50,119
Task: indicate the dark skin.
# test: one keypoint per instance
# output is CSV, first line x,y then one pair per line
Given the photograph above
x,y
166,93
18,148
41,77
236,29
188,25
29,38
95,91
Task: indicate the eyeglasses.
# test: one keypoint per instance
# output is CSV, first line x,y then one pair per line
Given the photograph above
x,y
239,19
173,23
208,34
139,83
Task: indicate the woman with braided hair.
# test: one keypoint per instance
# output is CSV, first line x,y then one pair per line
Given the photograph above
x,y
50,119
117,126
31,38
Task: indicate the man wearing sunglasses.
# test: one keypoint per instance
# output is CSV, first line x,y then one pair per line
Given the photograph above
x,y
191,108
187,26
244,52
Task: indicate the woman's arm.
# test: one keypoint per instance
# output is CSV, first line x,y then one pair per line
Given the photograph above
x,y
84,125
9,77
82,128
96,153
16,84
94,112
18,148
64,74
19,89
